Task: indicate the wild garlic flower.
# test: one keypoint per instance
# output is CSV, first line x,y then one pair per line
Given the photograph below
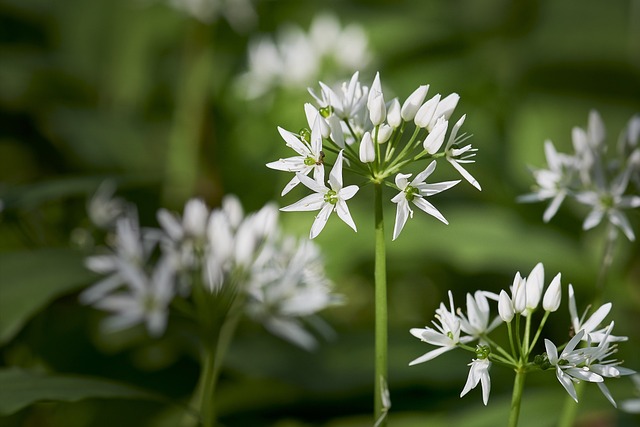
x,y
633,405
588,363
240,14
211,260
365,133
295,58
591,176
586,357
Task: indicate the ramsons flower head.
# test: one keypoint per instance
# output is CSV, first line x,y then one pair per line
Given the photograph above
x,y
363,131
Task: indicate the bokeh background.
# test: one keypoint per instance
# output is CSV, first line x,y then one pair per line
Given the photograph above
x,y
150,95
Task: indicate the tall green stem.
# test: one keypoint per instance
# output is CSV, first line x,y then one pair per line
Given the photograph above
x,y
380,277
189,117
206,387
516,397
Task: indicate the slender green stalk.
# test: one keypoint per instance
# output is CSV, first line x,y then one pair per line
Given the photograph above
x,y
189,117
206,387
516,397
380,278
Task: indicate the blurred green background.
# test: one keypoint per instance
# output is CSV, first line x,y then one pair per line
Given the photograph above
x,y
145,94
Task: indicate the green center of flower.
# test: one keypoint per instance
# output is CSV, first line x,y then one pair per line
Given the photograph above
x,y
309,161
482,351
326,111
331,197
410,192
305,135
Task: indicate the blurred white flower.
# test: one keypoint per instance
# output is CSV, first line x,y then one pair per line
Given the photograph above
x,y
592,175
633,405
296,59
240,14
103,208
144,300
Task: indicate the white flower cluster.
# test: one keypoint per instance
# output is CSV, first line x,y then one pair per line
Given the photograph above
x,y
590,362
240,14
364,132
219,254
296,59
592,177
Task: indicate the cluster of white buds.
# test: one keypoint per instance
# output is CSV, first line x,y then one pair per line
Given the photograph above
x,y
219,254
590,362
593,175
354,128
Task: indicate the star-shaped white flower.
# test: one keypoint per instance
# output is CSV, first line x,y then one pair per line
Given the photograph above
x,y
589,326
326,199
446,335
415,192
310,158
458,156
479,372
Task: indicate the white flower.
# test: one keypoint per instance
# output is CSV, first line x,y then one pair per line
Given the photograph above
x,y
566,364
310,158
589,326
458,156
129,246
394,117
415,192
145,300
185,240
326,199
533,287
347,102
103,208
609,201
446,335
479,372
476,321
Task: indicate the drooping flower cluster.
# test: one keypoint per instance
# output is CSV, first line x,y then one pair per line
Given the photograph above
x,y
586,357
208,259
353,128
296,58
595,175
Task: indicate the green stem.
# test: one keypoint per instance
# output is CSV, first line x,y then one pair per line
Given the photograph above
x,y
516,397
189,117
380,278
206,387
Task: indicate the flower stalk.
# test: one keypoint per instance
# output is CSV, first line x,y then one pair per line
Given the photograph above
x,y
516,397
381,324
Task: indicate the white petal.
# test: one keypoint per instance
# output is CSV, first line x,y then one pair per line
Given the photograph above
x,y
422,176
312,202
321,220
430,355
466,175
553,206
343,213
294,142
594,218
335,177
429,208
402,214
348,192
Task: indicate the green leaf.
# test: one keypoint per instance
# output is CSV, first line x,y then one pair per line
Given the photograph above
x,y
30,280
19,389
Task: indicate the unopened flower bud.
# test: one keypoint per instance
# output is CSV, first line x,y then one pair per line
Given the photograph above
x,y
413,102
553,295
505,307
445,108
377,109
434,140
393,114
534,286
425,113
367,150
519,293
384,133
